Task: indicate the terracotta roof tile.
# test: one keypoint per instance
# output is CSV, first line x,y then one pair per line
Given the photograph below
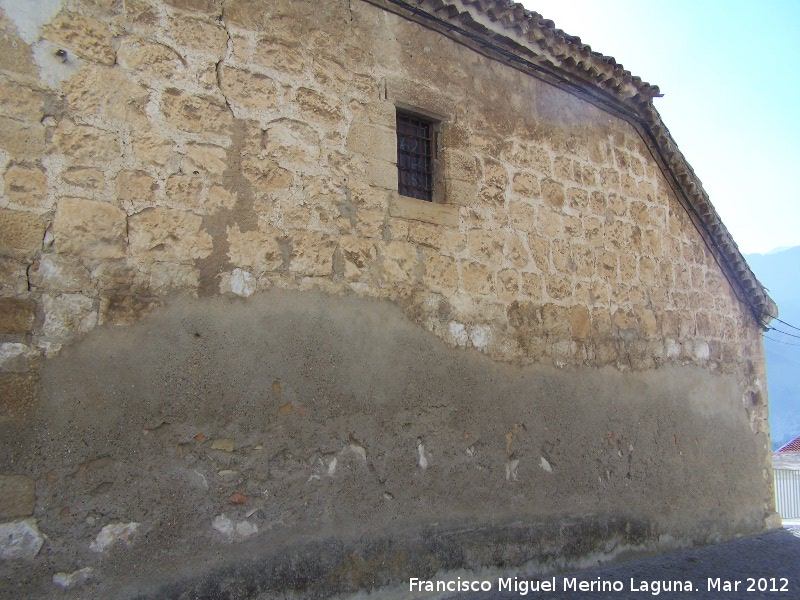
x,y
793,446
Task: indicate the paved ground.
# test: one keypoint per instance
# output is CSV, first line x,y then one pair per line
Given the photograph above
x,y
766,566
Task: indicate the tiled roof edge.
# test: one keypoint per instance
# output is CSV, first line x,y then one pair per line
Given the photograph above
x,y
536,40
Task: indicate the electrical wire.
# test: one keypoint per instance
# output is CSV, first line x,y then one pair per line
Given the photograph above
x,y
780,342
783,332
787,324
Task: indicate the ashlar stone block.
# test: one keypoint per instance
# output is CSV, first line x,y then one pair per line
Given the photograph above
x,y
90,229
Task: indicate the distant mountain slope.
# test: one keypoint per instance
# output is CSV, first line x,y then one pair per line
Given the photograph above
x,y
780,274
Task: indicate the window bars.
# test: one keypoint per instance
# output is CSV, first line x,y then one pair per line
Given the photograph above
x,y
414,157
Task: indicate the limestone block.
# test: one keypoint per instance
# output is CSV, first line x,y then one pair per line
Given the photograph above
x,y
266,176
199,34
148,58
465,193
124,309
400,262
141,16
381,112
578,199
585,175
522,216
13,277
219,197
647,323
59,272
85,177
556,320
562,168
628,186
457,137
167,277
20,102
561,256
292,140
581,324
26,185
558,287
21,234
625,323
525,185
249,89
17,315
66,314
152,148
508,284
248,14
358,254
573,227
627,267
135,189
609,179
441,272
258,251
318,107
183,192
460,165
486,245
285,56
549,223
370,223
420,210
113,275
22,140
476,278
17,496
515,251
205,158
382,174
540,251
196,113
90,229
526,316
583,258
170,235
553,193
86,145
106,92
425,234
312,253
376,142
88,38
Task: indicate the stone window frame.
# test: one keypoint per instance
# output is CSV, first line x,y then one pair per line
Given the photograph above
x,y
437,210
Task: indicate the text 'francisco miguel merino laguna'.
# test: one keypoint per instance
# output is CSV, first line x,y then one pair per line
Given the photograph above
x,y
566,584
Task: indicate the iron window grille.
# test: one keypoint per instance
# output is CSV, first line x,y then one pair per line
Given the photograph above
x,y
415,158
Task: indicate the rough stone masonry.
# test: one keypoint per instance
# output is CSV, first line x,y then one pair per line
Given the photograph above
x,y
233,360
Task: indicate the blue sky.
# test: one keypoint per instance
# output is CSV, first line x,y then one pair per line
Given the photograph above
x,y
731,95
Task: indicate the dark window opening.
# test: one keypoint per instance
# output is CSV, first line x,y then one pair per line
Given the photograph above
x,y
415,148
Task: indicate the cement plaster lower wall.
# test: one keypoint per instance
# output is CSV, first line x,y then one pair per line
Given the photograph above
x,y
364,451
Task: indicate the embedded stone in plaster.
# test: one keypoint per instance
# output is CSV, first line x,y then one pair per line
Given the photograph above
x,y
20,540
72,580
241,283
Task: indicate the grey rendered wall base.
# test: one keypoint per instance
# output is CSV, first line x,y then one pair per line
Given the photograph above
x,y
365,450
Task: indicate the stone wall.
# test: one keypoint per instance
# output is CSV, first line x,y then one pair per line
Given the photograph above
x,y
162,158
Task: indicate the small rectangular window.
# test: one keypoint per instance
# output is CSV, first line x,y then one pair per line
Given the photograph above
x,y
415,156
